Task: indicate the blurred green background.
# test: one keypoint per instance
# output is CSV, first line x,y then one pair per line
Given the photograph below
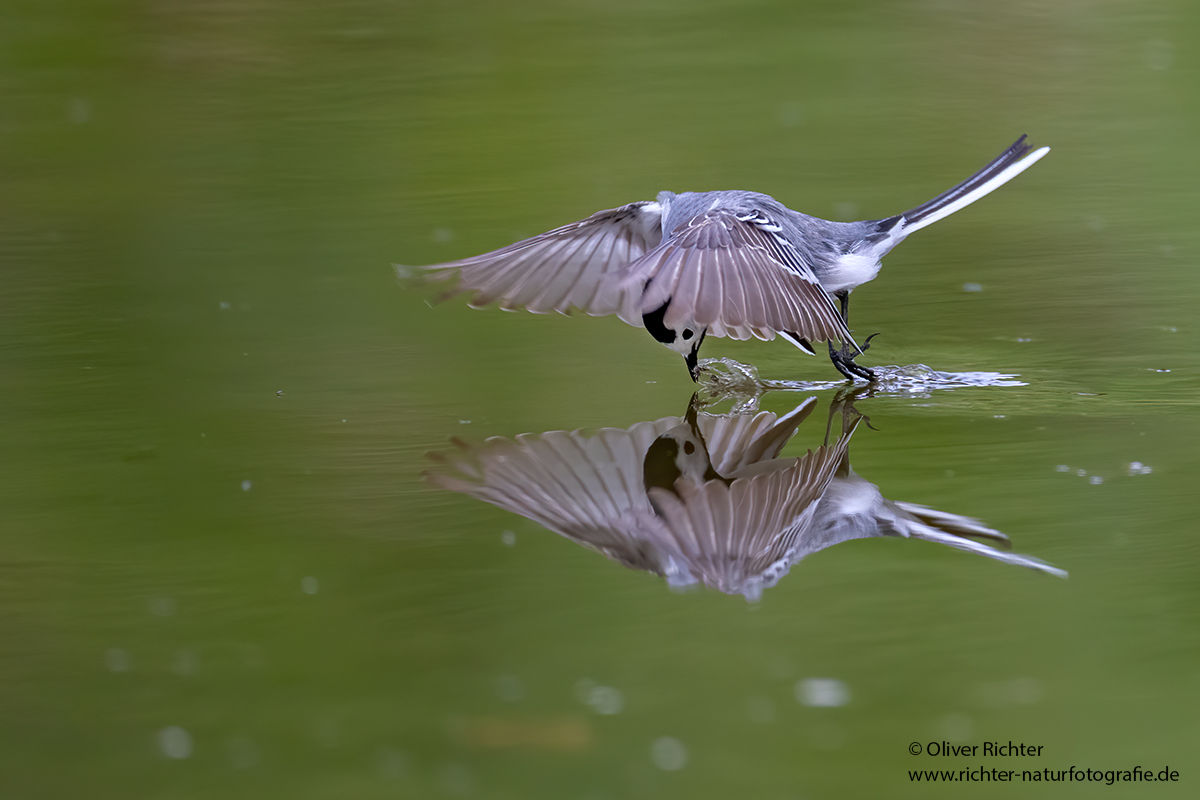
x,y
221,574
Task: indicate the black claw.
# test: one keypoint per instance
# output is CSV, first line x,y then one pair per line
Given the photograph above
x,y
844,363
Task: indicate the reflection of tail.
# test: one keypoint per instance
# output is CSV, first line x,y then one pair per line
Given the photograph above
x,y
853,508
932,525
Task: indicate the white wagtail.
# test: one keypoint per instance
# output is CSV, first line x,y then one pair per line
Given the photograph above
x,y
726,263
704,497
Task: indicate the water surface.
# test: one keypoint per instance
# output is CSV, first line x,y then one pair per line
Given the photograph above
x,y
222,573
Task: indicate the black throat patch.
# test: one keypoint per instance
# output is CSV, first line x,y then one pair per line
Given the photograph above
x,y
654,323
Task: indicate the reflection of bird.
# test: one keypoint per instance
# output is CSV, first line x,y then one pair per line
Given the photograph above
x,y
853,508
701,498
728,263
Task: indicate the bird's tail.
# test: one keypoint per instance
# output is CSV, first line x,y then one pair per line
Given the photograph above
x,y
1008,165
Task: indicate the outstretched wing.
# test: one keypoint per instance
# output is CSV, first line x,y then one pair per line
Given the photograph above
x,y
586,487
742,536
735,274
568,267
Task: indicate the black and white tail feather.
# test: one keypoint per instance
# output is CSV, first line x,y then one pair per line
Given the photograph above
x,y
1008,165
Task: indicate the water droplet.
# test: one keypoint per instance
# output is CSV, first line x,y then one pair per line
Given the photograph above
x,y
161,606
116,659
606,700
822,692
175,742
509,688
668,754
309,584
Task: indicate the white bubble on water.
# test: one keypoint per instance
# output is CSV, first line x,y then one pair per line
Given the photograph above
x,y
606,700
668,754
175,742
116,659
822,692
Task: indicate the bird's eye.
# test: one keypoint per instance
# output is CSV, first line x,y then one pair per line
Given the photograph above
x,y
689,448
687,333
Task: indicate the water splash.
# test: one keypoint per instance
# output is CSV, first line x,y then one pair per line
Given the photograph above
x,y
724,378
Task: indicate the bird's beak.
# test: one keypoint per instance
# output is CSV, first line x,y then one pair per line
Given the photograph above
x,y
693,361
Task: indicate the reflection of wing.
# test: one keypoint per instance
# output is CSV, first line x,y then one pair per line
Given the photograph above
x,y
854,509
742,536
737,276
569,267
738,531
737,441
586,488
591,489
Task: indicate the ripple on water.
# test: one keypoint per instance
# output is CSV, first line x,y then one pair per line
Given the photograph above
x,y
724,377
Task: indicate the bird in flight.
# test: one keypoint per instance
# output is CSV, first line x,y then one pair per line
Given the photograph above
x,y
736,264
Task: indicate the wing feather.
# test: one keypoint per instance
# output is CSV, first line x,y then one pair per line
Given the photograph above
x,y
698,265
575,266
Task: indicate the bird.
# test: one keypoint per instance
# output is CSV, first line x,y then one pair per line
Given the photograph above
x,y
705,498
734,264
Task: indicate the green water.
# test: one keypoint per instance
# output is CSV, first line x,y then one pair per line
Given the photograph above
x,y
222,575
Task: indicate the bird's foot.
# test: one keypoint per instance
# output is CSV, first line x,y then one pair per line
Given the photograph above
x,y
843,360
844,363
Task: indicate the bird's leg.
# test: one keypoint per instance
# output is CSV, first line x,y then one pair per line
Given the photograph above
x,y
843,359
844,363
